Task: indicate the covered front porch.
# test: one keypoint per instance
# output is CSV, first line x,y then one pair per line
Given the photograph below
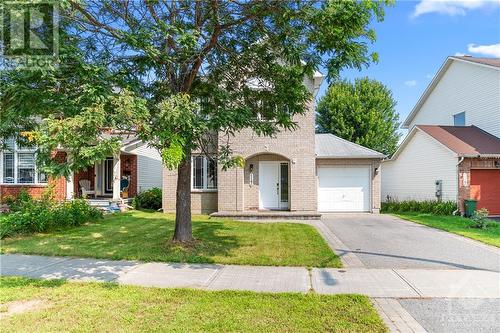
x,y
112,179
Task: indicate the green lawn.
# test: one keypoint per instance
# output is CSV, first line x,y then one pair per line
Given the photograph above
x,y
146,237
457,225
103,307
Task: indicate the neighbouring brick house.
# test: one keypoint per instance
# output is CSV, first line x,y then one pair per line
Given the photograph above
x,y
452,151
139,164
297,171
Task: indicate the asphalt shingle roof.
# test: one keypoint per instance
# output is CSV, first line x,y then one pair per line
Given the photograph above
x,y
331,146
495,62
464,140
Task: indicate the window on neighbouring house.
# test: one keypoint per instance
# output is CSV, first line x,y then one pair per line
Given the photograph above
x,y
26,168
459,119
18,165
204,173
8,167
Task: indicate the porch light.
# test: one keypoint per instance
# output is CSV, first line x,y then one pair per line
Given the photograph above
x,y
250,168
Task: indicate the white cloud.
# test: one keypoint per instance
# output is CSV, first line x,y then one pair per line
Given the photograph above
x,y
450,7
459,54
411,83
429,76
487,50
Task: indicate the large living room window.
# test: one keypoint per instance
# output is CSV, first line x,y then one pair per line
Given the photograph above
x,y
17,164
204,173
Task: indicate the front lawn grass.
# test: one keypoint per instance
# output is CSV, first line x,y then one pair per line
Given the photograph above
x,y
146,236
457,225
104,307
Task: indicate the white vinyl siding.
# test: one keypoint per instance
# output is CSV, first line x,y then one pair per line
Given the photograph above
x,y
413,173
464,87
149,167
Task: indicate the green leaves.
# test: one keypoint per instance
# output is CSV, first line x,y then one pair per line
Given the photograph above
x,y
174,128
181,73
363,112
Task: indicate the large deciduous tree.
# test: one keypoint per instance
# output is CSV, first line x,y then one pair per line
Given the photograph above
x,y
362,112
204,67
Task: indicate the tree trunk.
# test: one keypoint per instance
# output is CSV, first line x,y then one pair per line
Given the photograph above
x,y
183,228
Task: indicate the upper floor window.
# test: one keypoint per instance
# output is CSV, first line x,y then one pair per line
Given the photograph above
x,y
17,165
459,119
204,173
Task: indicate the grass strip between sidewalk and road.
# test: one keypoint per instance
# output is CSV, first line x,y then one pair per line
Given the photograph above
x,y
146,236
457,225
59,306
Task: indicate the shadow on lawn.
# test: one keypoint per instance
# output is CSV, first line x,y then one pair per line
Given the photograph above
x,y
212,239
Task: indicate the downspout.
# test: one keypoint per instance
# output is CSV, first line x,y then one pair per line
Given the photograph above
x,y
460,160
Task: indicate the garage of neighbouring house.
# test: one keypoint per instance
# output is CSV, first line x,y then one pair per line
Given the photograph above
x,y
348,176
485,188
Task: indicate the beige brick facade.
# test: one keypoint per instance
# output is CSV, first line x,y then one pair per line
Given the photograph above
x,y
295,147
237,193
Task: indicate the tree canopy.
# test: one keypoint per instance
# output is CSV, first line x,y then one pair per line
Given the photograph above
x,y
362,112
175,71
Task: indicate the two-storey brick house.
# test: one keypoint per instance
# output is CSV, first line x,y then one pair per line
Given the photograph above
x,y
297,171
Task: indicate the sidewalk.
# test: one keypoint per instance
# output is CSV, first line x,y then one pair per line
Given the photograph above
x,y
380,283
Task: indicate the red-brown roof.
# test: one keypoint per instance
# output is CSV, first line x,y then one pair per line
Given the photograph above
x,y
495,62
464,140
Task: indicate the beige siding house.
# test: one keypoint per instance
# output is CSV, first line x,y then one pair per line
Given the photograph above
x,y
285,175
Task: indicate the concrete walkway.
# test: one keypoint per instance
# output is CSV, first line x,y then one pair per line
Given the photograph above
x,y
385,283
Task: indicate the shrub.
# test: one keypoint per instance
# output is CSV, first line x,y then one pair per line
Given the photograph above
x,y
150,199
16,202
480,219
413,206
28,215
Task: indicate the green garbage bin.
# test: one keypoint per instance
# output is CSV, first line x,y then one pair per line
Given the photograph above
x,y
470,207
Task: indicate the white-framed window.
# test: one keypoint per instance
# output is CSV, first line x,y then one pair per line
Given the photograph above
x,y
203,174
18,165
459,119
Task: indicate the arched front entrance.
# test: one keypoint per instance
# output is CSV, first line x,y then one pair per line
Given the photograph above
x,y
267,182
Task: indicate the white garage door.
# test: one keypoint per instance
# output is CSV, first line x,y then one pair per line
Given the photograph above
x,y
344,188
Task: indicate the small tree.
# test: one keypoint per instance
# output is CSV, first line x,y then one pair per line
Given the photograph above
x,y
363,112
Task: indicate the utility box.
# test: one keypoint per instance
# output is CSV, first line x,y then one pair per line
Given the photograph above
x,y
439,189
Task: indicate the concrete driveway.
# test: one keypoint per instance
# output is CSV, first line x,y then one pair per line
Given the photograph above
x,y
384,241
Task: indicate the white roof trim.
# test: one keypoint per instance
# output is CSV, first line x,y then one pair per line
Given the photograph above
x,y
133,144
434,82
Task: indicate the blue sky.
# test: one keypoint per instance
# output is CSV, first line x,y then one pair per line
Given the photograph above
x,y
416,37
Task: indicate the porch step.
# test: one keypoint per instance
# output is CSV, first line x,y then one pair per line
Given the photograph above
x,y
98,202
268,215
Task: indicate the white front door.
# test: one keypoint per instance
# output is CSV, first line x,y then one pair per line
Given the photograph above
x,y
273,185
344,188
